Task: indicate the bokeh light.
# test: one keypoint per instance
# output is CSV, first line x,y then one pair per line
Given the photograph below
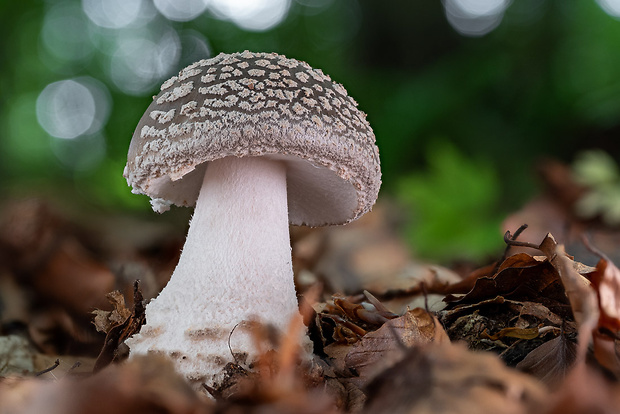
x,y
142,59
194,47
611,7
314,6
475,17
253,15
113,14
181,10
80,154
62,34
73,107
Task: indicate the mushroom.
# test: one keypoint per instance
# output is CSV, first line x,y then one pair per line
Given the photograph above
x,y
255,141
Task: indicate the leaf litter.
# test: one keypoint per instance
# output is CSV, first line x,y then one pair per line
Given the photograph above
x,y
528,333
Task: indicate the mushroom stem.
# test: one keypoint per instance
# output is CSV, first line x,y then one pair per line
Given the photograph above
x,y
235,268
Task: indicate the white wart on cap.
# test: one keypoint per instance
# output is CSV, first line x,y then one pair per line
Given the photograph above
x,y
258,104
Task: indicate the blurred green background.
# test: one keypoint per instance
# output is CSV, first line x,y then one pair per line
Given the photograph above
x,y
464,95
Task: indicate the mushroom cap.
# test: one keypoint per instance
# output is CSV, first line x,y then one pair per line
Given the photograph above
x,y
258,104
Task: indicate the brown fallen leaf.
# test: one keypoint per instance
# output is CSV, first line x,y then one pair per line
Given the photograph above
x,y
580,293
576,288
60,271
521,277
380,349
347,319
584,391
606,341
106,320
376,314
450,379
606,281
551,361
119,324
142,385
606,350
280,381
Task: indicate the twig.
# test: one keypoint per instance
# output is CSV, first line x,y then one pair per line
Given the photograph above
x,y
510,240
74,366
425,293
46,370
593,249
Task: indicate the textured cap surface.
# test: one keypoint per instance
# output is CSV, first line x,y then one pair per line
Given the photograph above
x,y
258,104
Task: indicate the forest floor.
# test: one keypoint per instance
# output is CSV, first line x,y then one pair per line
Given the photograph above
x,y
533,330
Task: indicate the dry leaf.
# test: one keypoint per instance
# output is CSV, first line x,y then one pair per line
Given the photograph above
x,y
606,281
116,334
450,379
607,351
585,391
551,361
347,320
580,293
143,385
523,278
379,349
106,320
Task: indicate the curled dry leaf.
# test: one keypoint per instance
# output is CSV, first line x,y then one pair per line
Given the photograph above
x,y
348,319
581,295
606,281
520,277
448,378
388,344
118,326
106,320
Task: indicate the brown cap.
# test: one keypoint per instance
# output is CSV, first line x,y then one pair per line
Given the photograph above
x,y
258,104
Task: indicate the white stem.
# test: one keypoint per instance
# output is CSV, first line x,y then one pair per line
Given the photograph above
x,y
235,267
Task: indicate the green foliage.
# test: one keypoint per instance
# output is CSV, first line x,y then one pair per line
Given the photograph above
x,y
598,171
454,206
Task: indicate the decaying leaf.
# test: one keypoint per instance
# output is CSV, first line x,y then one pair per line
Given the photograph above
x,y
144,384
279,382
579,292
585,391
382,348
450,379
58,269
348,319
520,277
106,320
116,332
551,361
606,281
